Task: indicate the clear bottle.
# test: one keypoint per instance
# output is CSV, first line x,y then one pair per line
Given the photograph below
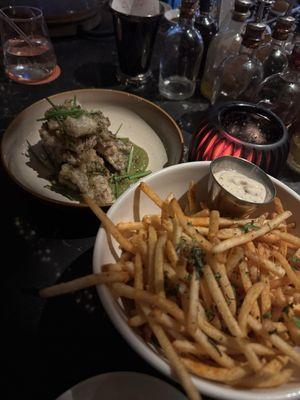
x,y
207,27
239,75
261,15
277,58
181,56
281,92
224,44
293,159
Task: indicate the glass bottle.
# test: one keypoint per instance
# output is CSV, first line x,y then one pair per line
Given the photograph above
x,y
281,92
293,159
277,58
207,27
181,56
239,74
261,15
224,44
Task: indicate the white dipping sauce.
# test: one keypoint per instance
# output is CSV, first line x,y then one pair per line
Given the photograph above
x,y
241,186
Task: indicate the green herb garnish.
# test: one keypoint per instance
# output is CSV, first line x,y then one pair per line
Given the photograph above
x,y
117,131
248,227
287,308
267,314
209,314
128,169
297,321
60,113
218,275
131,176
192,254
295,263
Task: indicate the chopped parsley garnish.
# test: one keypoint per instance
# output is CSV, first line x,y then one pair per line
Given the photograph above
x,y
249,227
267,314
192,254
297,321
286,309
295,263
210,314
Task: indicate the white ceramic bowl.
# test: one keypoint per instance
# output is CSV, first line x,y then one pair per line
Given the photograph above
x,y
175,179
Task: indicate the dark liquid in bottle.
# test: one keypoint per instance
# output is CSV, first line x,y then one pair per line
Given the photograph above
x,y
208,28
135,38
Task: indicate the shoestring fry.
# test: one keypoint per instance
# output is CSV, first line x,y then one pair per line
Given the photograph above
x,y
217,296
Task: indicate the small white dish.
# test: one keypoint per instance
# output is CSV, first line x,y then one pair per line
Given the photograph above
x,y
175,179
122,386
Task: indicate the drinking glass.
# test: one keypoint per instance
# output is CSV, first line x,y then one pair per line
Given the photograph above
x,y
135,37
22,61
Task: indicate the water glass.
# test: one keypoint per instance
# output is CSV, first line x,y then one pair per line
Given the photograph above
x,y
24,62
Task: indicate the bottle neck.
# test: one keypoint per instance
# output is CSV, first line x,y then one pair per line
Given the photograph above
x,y
187,12
276,43
236,25
246,51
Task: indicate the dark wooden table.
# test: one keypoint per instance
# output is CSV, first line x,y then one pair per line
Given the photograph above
x,y
48,346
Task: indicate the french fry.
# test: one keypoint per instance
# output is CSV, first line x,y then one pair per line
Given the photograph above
x,y
214,218
189,229
263,382
250,299
84,282
215,373
159,265
266,264
221,303
277,342
250,354
221,275
108,224
151,194
152,239
247,284
192,313
237,254
130,226
250,236
187,347
176,363
171,254
192,198
295,280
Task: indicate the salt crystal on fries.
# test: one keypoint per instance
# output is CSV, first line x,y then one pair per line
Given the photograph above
x,y
221,295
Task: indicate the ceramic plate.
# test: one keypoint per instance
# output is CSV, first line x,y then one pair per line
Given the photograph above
x,y
132,205
122,385
146,124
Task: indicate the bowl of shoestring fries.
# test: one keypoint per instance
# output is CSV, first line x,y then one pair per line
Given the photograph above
x,y
212,302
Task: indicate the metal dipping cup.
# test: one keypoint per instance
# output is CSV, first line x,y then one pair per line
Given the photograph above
x,y
227,203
